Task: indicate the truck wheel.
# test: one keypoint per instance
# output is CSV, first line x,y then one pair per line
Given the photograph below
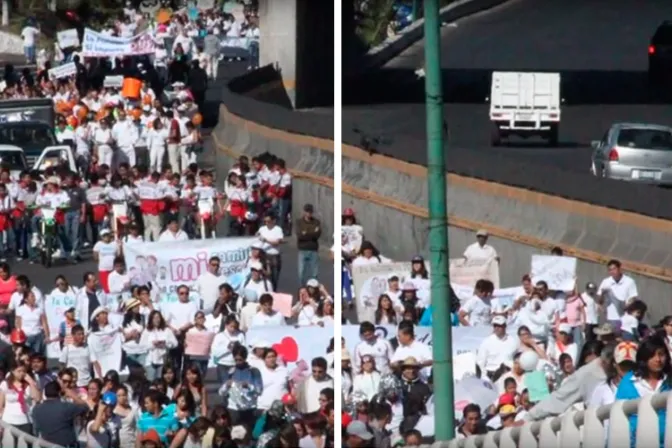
x,y
553,136
495,137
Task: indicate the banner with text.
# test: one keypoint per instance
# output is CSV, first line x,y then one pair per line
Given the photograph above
x,y
371,281
468,272
558,272
99,45
106,347
62,71
68,38
171,264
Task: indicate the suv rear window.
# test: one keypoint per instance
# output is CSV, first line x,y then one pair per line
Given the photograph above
x,y
645,139
663,35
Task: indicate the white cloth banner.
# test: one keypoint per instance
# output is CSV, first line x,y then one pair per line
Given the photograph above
x,y
99,45
558,272
106,347
55,305
168,265
68,38
63,71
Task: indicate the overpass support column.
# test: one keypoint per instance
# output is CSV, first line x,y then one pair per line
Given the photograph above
x,y
297,37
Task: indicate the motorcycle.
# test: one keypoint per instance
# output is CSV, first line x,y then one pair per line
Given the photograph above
x,y
48,236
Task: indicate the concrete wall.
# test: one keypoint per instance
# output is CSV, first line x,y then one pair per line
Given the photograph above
x,y
390,196
277,43
10,43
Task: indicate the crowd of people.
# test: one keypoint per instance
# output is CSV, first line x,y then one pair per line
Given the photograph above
x,y
548,351
145,153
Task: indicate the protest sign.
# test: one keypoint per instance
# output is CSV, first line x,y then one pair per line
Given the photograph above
x,y
197,343
205,4
371,281
468,272
62,71
282,303
98,45
115,81
536,385
55,305
68,38
171,264
106,347
150,6
558,272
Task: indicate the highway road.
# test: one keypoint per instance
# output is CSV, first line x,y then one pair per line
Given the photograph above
x,y
600,50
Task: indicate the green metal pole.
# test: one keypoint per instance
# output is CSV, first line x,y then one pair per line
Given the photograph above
x,y
444,413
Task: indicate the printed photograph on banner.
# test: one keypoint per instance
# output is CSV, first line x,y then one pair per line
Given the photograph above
x,y
168,211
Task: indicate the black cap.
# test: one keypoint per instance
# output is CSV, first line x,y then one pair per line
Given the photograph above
x,y
417,259
308,208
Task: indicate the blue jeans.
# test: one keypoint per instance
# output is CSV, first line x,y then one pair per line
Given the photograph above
x,y
29,52
153,371
283,209
308,265
71,241
36,343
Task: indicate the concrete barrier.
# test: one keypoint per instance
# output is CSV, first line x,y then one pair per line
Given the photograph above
x,y
394,45
10,43
390,196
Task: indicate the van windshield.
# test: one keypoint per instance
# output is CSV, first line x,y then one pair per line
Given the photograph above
x,y
645,139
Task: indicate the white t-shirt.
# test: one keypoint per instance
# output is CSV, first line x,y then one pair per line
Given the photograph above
x,y
31,319
80,358
275,233
477,252
591,309
167,235
616,295
478,311
178,314
262,319
106,255
275,385
29,33
14,413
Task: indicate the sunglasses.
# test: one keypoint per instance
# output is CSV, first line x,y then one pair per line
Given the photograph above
x,y
182,293
214,265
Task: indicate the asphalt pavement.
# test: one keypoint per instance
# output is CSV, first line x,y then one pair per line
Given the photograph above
x,y
600,50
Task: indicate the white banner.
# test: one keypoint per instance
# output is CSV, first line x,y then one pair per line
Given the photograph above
x,y
150,6
558,272
115,81
55,305
63,71
468,272
171,264
205,4
306,343
106,347
99,45
68,38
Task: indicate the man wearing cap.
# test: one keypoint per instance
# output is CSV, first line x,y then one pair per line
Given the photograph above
x,y
481,250
308,232
496,349
625,360
359,435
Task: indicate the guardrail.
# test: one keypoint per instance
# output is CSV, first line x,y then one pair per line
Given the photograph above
x,y
593,428
23,440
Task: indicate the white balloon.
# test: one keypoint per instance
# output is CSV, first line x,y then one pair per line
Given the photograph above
x,y
528,361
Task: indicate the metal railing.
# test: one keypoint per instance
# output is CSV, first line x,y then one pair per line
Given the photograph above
x,y
587,429
14,437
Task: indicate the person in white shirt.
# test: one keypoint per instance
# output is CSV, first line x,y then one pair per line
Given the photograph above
x,y
308,392
367,380
133,325
481,250
126,134
271,237
409,346
496,349
18,393
80,357
372,345
593,306
617,291
30,318
222,345
267,316
477,310
275,379
173,232
133,237
208,284
156,141
305,309
104,252
160,339
257,282
119,281
29,33
563,344
180,315
103,140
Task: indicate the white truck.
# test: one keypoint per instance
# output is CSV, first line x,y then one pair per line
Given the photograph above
x,y
525,104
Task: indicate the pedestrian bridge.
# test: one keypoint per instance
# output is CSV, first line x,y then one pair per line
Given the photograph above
x,y
587,429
